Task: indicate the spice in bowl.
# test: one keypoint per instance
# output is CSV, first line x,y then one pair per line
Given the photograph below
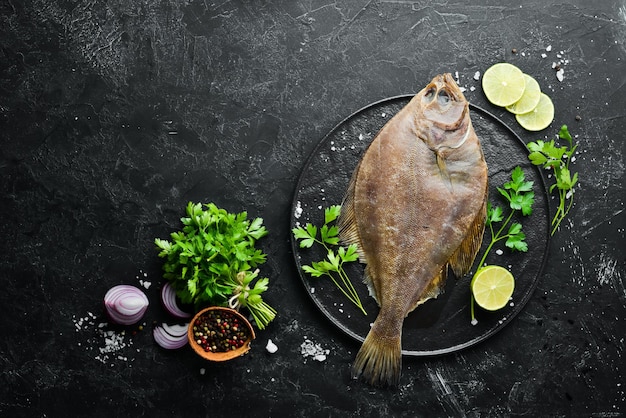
x,y
220,334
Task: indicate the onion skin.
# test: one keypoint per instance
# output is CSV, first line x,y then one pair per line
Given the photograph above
x,y
125,304
168,298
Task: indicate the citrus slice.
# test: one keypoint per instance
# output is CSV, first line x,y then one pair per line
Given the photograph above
x,y
540,117
503,84
530,97
492,287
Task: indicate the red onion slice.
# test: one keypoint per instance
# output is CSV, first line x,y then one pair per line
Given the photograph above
x,y
168,297
125,304
170,337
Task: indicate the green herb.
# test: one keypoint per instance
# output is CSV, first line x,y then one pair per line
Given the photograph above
x,y
210,261
520,197
336,255
550,156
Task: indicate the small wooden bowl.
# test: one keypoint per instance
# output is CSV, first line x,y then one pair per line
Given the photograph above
x,y
221,355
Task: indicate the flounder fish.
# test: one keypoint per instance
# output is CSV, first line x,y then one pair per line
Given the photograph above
x,y
415,205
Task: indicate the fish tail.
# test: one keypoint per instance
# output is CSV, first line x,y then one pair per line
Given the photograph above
x,y
379,361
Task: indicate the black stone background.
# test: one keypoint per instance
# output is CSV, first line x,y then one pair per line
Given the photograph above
x,y
114,114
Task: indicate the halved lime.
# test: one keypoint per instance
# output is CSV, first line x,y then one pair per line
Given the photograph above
x,y
540,117
492,287
503,84
530,97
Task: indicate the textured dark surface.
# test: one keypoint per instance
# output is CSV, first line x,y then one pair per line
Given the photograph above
x,y
115,114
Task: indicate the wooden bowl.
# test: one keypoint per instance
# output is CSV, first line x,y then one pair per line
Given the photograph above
x,y
230,316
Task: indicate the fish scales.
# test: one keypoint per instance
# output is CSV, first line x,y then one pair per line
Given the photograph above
x,y
416,205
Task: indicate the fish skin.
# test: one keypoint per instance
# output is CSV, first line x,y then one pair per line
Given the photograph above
x,y
416,205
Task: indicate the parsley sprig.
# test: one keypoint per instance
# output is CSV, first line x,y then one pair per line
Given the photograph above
x,y
210,261
336,255
550,156
518,192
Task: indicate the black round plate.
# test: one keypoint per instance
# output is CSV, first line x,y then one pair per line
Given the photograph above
x,y
439,325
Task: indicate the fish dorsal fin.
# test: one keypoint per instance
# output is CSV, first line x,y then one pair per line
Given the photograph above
x,y
348,231
463,258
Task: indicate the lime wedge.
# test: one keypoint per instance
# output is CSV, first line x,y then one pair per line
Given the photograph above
x,y
540,117
492,287
530,97
503,84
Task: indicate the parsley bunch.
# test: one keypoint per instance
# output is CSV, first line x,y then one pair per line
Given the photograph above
x,y
210,261
550,156
336,255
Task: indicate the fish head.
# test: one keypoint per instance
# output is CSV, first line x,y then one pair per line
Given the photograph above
x,y
445,111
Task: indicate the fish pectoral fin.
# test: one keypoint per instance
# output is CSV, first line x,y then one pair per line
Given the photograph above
x,y
434,288
443,170
463,258
371,284
348,231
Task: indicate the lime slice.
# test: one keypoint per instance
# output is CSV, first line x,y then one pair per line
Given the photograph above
x,y
540,117
530,98
503,84
492,287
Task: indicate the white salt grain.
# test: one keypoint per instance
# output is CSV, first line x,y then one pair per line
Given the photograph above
x,y
310,349
477,75
559,74
298,211
271,347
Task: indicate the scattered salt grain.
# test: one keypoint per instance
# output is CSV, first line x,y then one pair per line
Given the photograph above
x,y
549,48
146,284
474,321
477,75
202,371
559,74
298,211
271,347
499,252
310,349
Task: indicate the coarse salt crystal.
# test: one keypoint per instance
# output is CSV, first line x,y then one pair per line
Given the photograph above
x,y
271,347
477,75
559,74
298,211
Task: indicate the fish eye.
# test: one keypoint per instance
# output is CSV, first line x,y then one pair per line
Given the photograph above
x,y
443,98
430,93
